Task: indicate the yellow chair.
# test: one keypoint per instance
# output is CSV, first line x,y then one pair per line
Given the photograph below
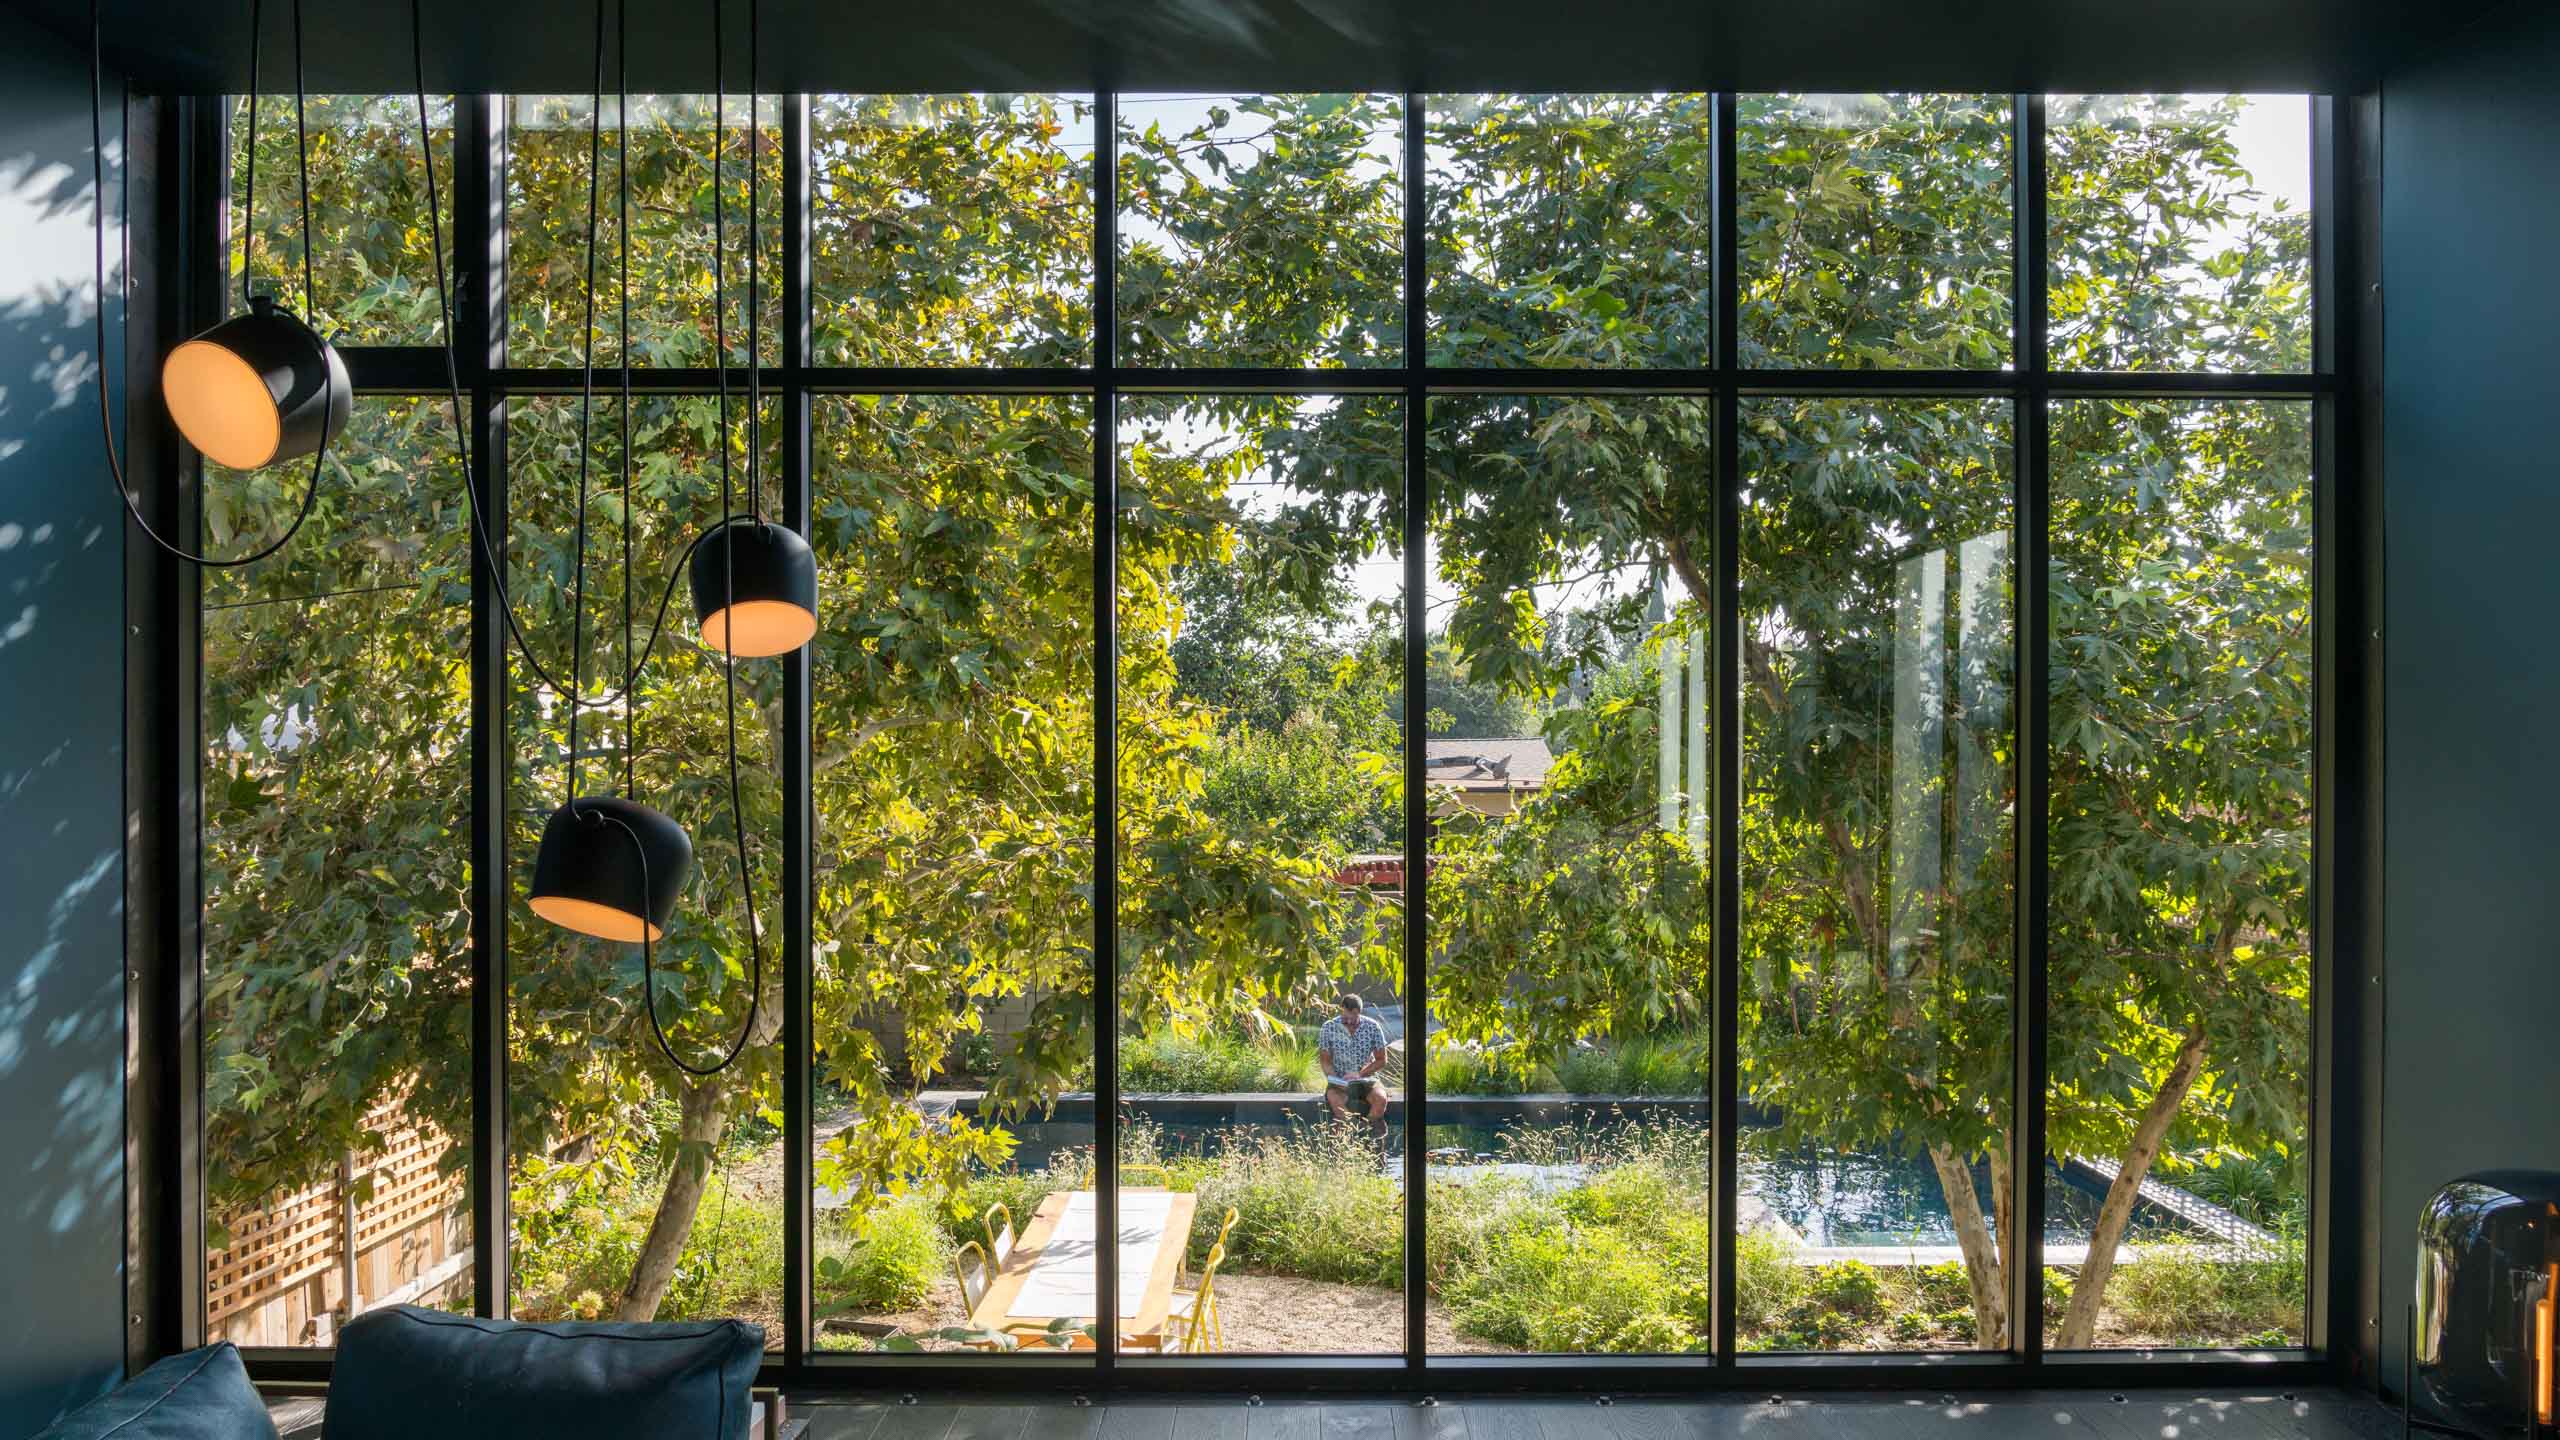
x,y
1195,1312
969,1266
999,1236
1226,1227
1143,1177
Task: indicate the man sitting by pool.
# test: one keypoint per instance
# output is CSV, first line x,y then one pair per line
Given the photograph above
x,y
1352,1047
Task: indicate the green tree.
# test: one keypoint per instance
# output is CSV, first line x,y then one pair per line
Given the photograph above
x,y
1874,233
953,711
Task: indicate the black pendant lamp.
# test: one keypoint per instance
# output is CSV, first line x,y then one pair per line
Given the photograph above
x,y
755,583
609,867
261,388
258,389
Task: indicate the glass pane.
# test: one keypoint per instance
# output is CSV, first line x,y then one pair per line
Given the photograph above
x,y
952,229
1261,832
1261,230
2180,230
1571,229
337,941
1571,965
672,229
2181,838
373,265
1876,231
1879,653
640,1192
953,691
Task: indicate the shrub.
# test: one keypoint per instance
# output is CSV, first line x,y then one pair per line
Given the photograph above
x,y
1943,1287
1637,1196
2193,1293
1654,1333
2057,1292
2255,1188
1768,1284
575,1250
1587,1070
1466,1070
1657,1066
885,1259
1315,1203
1169,1064
1908,1328
1547,1284
1848,1287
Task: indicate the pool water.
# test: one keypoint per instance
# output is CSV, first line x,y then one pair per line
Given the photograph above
x,y
1883,1198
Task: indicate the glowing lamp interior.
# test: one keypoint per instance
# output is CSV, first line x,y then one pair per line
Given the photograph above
x,y
2542,1343
222,405
605,922
761,627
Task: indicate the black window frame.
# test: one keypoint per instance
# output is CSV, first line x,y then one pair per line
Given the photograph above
x,y
183,227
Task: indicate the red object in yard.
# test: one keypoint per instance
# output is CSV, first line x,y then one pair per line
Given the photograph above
x,y
1373,872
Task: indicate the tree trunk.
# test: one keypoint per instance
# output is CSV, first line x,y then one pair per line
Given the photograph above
x,y
1982,1268
702,1111
2080,1321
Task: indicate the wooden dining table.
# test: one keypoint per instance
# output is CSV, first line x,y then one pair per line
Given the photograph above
x,y
1050,1275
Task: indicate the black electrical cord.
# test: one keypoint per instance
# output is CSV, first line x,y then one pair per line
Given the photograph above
x,y
462,432
728,516
98,187
755,305
587,413
622,229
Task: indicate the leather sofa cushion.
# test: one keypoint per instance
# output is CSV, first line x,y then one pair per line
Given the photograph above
x,y
405,1373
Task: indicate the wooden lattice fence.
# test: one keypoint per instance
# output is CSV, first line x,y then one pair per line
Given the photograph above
x,y
287,1276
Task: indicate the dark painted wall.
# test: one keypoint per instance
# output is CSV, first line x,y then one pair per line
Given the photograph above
x,y
61,766
2471,447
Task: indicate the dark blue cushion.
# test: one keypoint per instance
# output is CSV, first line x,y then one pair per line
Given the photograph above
x,y
200,1395
410,1374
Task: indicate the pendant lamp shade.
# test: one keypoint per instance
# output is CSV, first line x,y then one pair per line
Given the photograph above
x,y
755,589
257,389
610,868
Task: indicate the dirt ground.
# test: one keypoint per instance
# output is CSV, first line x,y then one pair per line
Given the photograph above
x,y
1264,1315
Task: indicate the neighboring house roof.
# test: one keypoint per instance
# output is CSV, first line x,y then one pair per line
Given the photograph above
x,y
1516,763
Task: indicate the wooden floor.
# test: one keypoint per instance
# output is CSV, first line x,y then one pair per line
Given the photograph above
x,y
2037,1415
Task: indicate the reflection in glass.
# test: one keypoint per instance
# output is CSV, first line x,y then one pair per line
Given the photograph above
x,y
1261,230
639,1191
1878,659
1261,833
1571,965
953,682
1876,231
2180,232
2179,1042
337,938
1571,229
951,229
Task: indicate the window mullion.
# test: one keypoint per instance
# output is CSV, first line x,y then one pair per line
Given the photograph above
x,y
1725,784
2024,1244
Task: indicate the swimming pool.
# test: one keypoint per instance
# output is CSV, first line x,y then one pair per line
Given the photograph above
x,y
1878,1198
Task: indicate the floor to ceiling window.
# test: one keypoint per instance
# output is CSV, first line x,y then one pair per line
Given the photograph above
x,y
1414,746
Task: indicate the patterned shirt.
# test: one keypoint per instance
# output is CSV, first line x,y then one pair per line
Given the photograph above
x,y
1345,1050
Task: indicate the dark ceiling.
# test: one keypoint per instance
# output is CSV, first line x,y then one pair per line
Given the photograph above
x,y
2335,46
